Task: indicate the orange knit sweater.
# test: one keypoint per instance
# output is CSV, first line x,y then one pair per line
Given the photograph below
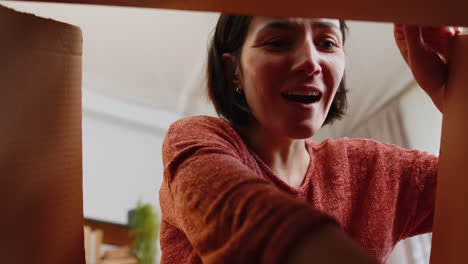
x,y
221,204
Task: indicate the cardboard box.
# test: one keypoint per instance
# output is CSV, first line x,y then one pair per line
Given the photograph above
x,y
451,215
40,122
453,12
40,141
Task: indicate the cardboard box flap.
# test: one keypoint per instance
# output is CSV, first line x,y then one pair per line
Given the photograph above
x,y
40,140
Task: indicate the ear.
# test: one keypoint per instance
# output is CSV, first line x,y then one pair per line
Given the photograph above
x,y
230,67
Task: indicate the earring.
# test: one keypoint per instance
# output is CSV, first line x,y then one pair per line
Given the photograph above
x,y
238,90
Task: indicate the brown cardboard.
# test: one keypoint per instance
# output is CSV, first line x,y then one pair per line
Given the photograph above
x,y
453,12
40,141
40,122
450,230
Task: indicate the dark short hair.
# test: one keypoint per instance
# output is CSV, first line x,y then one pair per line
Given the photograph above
x,y
229,37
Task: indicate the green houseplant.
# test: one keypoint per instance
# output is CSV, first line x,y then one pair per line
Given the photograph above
x,y
144,226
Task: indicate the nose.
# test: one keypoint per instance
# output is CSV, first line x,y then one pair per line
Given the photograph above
x,y
307,60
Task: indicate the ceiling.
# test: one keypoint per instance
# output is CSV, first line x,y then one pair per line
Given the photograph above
x,y
156,57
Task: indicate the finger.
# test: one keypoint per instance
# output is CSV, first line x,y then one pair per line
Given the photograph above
x,y
424,62
399,36
413,36
439,39
398,31
418,52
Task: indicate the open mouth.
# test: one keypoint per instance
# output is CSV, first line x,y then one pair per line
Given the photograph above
x,y
303,97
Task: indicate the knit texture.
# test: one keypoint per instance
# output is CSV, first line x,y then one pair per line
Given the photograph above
x,y
222,204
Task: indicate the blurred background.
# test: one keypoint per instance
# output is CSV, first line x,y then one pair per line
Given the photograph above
x,y
145,68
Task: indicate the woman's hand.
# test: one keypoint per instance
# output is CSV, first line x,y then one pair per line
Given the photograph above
x,y
426,50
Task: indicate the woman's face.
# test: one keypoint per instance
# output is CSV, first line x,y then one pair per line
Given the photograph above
x,y
290,71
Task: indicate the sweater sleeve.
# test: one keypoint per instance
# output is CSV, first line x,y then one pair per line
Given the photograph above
x,y
422,175
411,176
228,213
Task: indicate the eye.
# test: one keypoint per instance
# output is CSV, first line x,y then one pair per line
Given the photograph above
x,y
327,44
278,44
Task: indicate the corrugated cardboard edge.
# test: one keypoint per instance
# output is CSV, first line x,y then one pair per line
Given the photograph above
x,y
40,141
451,12
450,230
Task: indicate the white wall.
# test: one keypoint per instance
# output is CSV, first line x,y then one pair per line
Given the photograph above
x,y
141,55
422,120
121,155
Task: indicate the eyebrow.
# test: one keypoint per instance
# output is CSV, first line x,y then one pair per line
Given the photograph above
x,y
288,25
326,25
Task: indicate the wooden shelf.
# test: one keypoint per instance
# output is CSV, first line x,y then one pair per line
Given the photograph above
x,y
114,234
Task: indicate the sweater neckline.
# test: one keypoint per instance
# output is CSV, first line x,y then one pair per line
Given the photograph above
x,y
280,182
301,190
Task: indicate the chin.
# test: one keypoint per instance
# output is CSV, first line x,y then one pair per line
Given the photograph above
x,y
303,130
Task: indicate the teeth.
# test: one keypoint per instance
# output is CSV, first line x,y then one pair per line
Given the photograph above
x,y
314,93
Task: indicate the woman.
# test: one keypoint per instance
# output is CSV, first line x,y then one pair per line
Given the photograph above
x,y
251,187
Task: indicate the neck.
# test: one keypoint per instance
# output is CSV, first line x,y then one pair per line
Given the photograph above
x,y
287,157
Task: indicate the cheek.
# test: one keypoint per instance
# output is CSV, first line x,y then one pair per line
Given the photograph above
x,y
337,65
263,76
333,76
263,71
335,72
